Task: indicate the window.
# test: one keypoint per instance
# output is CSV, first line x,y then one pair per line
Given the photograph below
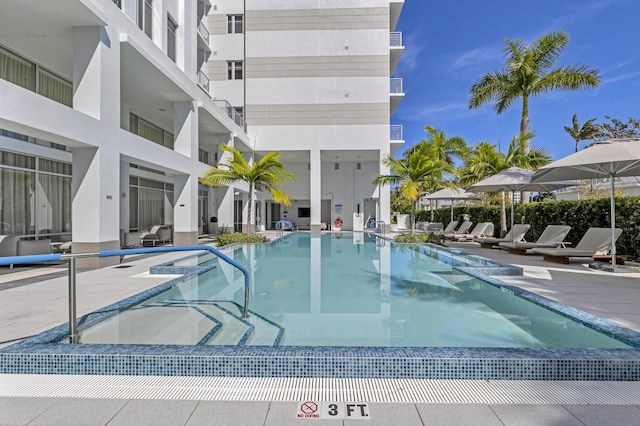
x,y
234,70
145,16
234,24
171,38
150,131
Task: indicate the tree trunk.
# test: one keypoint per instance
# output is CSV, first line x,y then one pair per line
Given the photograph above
x,y
525,130
413,216
249,227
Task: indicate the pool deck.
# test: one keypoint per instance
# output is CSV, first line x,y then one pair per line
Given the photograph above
x,y
34,299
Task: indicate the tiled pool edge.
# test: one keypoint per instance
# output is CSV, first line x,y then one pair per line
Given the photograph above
x,y
39,356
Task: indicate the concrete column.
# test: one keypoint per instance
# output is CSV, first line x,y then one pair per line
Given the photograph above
x,y
246,228
186,54
96,74
315,190
124,197
225,208
185,212
385,195
96,189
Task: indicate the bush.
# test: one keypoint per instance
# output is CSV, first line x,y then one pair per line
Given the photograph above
x,y
420,237
226,239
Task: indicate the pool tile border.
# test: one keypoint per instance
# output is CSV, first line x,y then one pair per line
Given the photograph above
x,y
41,355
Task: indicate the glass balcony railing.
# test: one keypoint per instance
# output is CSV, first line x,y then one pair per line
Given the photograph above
x,y
231,112
203,81
202,30
396,132
396,85
395,39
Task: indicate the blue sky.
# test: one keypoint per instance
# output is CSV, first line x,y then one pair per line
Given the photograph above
x,y
449,45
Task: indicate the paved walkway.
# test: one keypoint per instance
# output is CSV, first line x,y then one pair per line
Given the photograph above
x,y
35,299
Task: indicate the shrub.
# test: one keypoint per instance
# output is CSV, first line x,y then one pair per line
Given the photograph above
x,y
420,237
226,239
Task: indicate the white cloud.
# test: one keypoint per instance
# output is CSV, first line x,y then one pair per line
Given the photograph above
x,y
621,77
439,111
477,56
413,46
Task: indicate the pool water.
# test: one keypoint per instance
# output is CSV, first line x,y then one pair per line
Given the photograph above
x,y
343,290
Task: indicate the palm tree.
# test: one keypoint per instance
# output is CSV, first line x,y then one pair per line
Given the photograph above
x,y
587,131
529,72
445,148
410,173
267,172
483,160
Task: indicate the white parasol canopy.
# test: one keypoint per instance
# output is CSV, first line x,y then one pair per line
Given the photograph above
x,y
608,159
517,179
454,193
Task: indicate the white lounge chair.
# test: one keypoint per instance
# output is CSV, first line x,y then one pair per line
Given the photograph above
x,y
596,241
152,237
481,230
449,229
515,234
463,229
551,237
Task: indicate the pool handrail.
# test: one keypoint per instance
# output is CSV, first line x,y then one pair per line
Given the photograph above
x,y
283,225
56,257
372,225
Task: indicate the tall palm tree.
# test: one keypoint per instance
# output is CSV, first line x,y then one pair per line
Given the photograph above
x,y
268,172
410,173
528,73
581,133
483,160
446,149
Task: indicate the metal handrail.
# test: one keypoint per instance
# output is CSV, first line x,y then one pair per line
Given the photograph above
x,y
395,39
372,225
395,85
396,132
56,257
283,225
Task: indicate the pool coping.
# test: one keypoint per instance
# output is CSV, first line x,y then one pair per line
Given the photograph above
x,y
41,354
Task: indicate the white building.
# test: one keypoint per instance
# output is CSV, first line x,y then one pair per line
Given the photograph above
x,y
112,109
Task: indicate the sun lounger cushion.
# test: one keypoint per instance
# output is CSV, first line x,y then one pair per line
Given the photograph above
x,y
596,241
551,237
516,234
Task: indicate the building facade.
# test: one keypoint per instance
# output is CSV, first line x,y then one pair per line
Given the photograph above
x,y
112,109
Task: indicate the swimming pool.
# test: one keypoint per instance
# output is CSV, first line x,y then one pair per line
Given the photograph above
x,y
424,311
349,291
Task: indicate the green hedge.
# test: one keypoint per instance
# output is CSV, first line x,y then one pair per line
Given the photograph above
x,y
580,215
226,239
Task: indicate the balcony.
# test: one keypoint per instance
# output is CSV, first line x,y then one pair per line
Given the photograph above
x,y
231,112
203,37
396,94
396,49
203,81
396,138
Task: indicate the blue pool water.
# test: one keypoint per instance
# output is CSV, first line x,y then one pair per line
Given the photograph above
x,y
351,290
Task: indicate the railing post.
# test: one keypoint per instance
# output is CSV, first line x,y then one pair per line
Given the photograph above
x,y
73,332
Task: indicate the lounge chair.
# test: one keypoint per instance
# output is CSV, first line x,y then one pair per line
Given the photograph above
x,y
551,237
462,230
449,229
481,230
515,234
596,241
152,237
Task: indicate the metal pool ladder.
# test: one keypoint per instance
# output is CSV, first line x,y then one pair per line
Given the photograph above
x,y
73,332
283,225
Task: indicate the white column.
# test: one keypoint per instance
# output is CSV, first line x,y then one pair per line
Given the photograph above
x,y
226,195
185,212
124,196
96,74
96,189
315,189
385,195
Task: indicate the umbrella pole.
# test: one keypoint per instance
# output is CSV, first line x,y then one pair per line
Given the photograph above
x,y
452,210
613,223
512,195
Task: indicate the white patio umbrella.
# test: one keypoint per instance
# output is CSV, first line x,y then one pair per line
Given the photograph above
x,y
516,179
608,159
454,193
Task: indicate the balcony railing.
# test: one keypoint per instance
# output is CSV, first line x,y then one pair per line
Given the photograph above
x,y
231,112
395,39
396,132
118,3
202,30
203,81
396,85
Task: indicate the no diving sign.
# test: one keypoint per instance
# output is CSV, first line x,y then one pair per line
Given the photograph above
x,y
333,410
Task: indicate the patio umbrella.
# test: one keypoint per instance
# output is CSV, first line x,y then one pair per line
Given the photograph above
x,y
607,159
517,179
452,194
